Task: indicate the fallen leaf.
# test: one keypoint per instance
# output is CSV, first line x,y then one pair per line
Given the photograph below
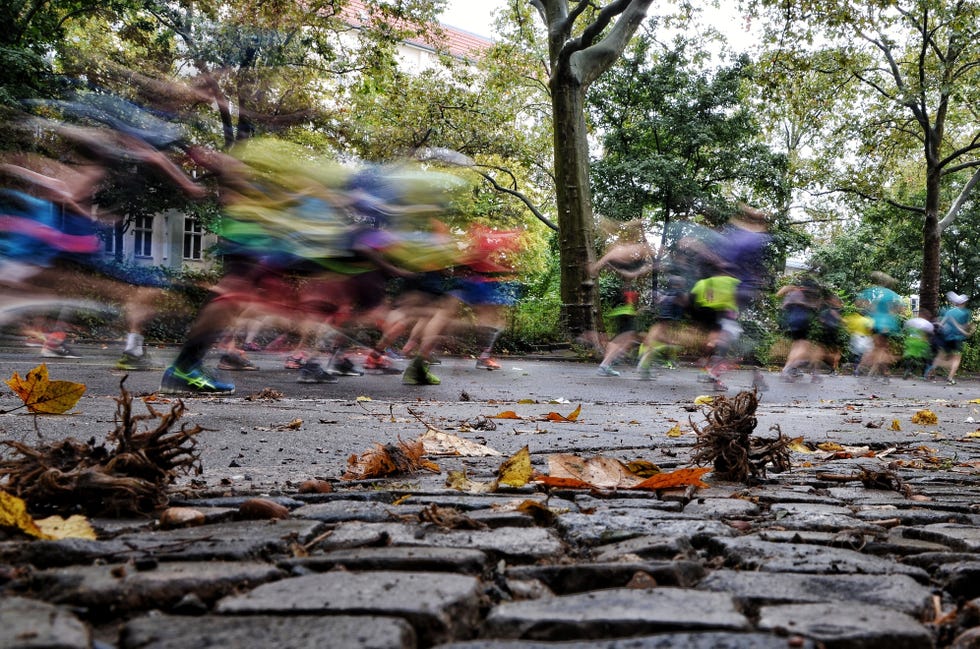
x,y
925,417
363,398
680,478
675,431
526,401
295,424
389,459
13,513
703,400
975,433
830,446
507,414
598,471
643,468
516,470
437,442
798,446
541,514
460,481
562,483
73,527
42,395
572,416
897,425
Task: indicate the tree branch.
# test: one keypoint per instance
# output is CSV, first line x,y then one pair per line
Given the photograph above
x,y
520,196
958,203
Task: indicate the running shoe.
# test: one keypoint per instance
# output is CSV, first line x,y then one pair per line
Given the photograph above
x,y
60,351
133,363
605,370
313,372
393,354
295,361
193,381
343,366
236,363
380,364
487,363
418,374
251,347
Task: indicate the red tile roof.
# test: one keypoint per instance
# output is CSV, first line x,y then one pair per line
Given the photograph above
x,y
457,42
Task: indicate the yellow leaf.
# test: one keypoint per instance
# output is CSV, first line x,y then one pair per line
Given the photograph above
x,y
573,415
643,468
41,395
74,527
363,398
506,414
516,470
526,401
460,481
13,513
974,401
896,425
830,446
975,433
703,400
798,446
926,417
675,431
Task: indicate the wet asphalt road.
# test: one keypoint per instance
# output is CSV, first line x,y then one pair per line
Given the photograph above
x,y
310,430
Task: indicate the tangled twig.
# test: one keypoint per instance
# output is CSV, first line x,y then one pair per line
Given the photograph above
x,y
726,442
131,477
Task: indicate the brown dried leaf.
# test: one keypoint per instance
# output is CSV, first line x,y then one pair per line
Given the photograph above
x,y
599,472
437,442
389,459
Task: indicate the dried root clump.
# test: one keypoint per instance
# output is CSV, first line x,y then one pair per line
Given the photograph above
x,y
727,444
130,477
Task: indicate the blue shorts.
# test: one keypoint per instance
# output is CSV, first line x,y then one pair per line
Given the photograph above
x,y
481,292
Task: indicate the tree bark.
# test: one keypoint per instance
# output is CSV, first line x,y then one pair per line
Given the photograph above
x,y
575,216
576,61
931,234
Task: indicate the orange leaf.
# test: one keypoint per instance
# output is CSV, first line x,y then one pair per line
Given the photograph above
x,y
678,478
32,386
572,416
506,414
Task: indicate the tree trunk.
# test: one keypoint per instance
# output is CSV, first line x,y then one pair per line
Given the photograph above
x,y
929,282
574,201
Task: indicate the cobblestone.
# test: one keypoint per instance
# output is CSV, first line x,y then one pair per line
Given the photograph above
x,y
795,559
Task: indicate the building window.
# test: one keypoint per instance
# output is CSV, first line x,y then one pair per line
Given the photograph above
x,y
143,236
108,236
193,237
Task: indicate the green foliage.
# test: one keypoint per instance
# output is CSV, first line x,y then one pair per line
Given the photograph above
x,y
678,139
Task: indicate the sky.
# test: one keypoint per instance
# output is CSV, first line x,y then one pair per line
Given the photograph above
x,y
473,16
